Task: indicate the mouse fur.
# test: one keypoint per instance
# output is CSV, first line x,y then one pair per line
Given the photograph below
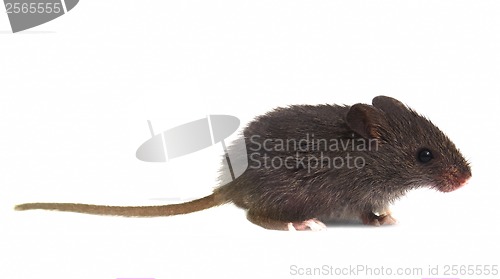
x,y
392,149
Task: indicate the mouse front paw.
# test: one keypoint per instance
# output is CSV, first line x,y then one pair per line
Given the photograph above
x,y
311,224
378,220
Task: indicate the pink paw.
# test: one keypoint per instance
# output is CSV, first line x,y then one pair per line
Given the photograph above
x,y
387,220
311,224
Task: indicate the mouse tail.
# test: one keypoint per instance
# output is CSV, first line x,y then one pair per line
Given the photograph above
x,y
129,211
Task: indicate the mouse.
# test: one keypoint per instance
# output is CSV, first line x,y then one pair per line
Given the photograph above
x,y
311,164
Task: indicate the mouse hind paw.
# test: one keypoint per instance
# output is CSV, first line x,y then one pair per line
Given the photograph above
x,y
272,224
312,224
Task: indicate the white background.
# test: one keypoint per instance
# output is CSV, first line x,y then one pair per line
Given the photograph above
x,y
76,92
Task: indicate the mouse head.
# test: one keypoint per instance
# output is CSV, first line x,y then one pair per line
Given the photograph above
x,y
414,152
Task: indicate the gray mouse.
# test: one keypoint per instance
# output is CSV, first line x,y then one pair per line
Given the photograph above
x,y
310,164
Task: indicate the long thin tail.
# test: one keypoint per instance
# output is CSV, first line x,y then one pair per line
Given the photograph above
x,y
128,211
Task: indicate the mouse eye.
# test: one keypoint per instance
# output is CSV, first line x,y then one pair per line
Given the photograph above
x,y
425,155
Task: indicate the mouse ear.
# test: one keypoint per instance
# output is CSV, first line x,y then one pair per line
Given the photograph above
x,y
388,104
366,120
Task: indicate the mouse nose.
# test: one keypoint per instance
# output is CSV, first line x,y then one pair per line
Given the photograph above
x,y
460,172
464,181
465,177
455,177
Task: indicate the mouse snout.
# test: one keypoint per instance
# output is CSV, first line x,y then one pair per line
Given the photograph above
x,y
455,178
464,181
